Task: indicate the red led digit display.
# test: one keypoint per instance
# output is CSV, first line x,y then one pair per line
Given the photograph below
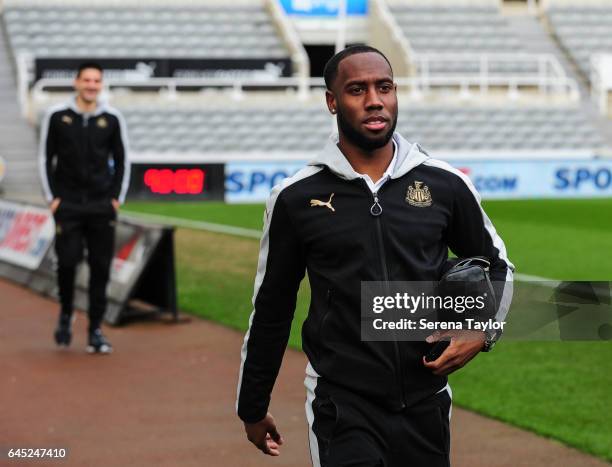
x,y
179,181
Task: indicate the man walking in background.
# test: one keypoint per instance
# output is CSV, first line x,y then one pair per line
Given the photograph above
x,y
351,216
85,173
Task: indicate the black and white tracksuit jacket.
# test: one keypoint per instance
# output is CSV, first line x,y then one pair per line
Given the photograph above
x,y
342,247
83,157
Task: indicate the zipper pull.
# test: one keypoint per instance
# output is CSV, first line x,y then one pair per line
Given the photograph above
x,y
376,208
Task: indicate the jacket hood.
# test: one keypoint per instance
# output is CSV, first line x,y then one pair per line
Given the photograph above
x,y
409,155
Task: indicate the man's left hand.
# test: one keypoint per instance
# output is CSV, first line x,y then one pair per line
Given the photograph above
x,y
116,204
464,346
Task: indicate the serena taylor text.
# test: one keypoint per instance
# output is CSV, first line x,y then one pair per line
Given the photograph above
x,y
469,324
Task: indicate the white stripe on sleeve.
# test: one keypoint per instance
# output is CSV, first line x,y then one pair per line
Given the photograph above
x,y
498,243
263,256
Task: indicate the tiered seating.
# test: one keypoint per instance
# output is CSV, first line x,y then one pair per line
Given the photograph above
x,y
149,31
461,29
293,128
501,128
582,31
227,129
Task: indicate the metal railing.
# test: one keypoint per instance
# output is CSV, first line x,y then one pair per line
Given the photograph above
x,y
422,85
170,87
417,85
550,78
601,81
547,65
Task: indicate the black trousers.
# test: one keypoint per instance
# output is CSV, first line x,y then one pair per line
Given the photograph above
x,y
347,430
81,226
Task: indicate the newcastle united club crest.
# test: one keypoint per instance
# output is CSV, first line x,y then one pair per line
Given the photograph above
x,y
418,195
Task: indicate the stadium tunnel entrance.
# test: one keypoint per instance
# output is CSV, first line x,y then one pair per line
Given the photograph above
x,y
318,56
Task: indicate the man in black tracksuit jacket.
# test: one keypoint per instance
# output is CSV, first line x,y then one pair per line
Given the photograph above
x,y
348,218
84,173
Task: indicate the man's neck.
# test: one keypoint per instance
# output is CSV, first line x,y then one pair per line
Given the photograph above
x,y
373,163
84,106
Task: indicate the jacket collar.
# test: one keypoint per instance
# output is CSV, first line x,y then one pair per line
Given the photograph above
x,y
100,107
409,155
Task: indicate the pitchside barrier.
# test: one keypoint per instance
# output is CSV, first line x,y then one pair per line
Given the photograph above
x,y
142,273
495,176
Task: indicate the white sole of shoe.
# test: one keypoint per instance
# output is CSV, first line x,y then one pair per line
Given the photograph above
x,y
103,350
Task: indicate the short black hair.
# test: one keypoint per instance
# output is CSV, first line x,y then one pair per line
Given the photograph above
x,y
87,65
331,67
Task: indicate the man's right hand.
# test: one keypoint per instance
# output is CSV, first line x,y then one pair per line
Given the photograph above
x,y
54,205
264,435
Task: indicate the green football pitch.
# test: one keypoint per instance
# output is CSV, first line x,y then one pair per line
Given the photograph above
x,y
557,389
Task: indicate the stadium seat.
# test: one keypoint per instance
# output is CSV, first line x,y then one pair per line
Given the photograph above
x,y
582,31
235,31
462,28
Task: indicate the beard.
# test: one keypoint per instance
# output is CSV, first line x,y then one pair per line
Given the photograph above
x,y
362,140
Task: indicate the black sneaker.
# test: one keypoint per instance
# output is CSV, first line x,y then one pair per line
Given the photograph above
x,y
97,343
63,332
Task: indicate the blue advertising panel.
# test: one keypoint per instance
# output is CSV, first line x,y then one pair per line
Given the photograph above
x,y
539,179
251,182
323,7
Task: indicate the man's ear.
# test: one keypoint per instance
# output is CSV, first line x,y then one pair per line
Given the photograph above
x,y
331,101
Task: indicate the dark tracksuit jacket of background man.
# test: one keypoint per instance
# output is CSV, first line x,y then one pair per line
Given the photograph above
x,y
361,395
83,161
